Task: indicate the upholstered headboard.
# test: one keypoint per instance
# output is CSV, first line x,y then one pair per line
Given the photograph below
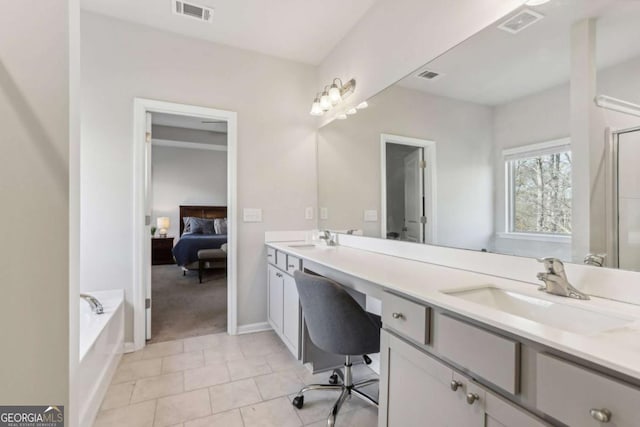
x,y
209,212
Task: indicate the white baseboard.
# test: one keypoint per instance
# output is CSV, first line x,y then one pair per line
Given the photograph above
x,y
129,347
253,327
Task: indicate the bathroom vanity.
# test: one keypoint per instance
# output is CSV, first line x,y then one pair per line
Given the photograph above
x,y
460,348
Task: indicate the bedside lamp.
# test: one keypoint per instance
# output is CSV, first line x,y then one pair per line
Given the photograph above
x,y
163,224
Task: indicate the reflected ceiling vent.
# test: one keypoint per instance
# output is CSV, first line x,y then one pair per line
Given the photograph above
x,y
429,75
194,11
518,22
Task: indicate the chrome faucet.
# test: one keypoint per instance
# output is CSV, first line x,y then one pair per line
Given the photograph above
x,y
597,260
96,307
555,280
328,237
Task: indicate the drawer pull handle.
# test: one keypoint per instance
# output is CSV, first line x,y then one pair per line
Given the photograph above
x,y
270,255
397,315
602,415
292,266
455,385
472,397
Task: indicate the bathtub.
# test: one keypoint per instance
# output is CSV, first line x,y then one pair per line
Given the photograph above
x,y
101,345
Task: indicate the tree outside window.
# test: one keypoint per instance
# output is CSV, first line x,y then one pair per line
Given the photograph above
x,y
540,192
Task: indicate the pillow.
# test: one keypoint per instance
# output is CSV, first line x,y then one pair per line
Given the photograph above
x,y
187,224
220,225
202,225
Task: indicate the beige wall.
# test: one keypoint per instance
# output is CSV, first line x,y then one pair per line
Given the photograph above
x,y
34,186
276,143
349,163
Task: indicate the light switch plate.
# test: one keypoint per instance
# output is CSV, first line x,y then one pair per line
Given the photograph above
x,y
324,213
308,213
252,215
371,215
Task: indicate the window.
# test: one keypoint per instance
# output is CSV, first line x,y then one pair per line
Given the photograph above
x,y
539,188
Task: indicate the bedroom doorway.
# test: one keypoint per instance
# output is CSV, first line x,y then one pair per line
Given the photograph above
x,y
408,189
185,204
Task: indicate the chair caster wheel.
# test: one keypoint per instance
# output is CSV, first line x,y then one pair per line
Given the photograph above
x,y
298,401
333,379
367,359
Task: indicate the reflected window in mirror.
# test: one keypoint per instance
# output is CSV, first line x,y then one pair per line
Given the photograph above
x,y
538,183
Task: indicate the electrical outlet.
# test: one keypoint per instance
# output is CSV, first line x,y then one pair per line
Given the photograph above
x,y
308,213
371,215
324,213
252,215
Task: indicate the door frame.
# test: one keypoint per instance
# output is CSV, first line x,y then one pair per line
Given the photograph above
x,y
430,183
142,257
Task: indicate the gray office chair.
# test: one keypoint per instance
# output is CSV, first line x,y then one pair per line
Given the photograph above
x,y
337,324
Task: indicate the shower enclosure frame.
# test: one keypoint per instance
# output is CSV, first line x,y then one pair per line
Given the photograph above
x,y
613,224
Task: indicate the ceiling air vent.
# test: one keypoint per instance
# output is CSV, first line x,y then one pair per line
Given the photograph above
x,y
428,74
191,10
520,21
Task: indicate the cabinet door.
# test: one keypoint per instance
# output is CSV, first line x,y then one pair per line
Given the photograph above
x,y
291,314
274,308
415,390
501,413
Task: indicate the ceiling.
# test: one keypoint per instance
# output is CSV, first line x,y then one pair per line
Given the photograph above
x,y
186,122
300,30
494,67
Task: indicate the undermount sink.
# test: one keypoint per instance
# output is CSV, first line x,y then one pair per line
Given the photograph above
x,y
302,245
562,316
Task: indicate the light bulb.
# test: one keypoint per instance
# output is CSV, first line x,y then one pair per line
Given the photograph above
x,y
316,109
334,94
341,116
351,111
362,105
325,101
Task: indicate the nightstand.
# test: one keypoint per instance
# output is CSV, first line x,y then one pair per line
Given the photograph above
x,y
161,250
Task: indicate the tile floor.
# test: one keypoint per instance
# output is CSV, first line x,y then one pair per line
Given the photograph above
x,y
223,381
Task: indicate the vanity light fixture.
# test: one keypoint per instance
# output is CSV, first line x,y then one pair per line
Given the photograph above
x,y
331,96
316,109
341,116
351,111
362,105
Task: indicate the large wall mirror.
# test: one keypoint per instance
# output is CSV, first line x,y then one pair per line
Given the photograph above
x,y
522,140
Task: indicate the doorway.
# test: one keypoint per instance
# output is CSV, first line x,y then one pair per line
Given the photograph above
x,y
408,189
145,217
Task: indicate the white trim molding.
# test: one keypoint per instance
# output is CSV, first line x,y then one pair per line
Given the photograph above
x,y
540,237
141,257
430,182
191,145
254,327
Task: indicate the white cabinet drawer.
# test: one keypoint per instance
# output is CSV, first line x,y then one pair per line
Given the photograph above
x,y
569,393
281,260
271,256
293,264
492,357
406,317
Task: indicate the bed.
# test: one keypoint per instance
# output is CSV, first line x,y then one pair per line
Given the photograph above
x,y
186,250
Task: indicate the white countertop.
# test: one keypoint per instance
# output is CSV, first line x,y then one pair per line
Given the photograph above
x,y
617,349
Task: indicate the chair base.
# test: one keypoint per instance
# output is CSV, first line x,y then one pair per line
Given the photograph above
x,y
347,388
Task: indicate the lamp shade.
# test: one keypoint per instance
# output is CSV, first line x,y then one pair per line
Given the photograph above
x,y
163,222
334,94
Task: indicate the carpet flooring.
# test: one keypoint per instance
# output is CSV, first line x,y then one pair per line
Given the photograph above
x,y
182,307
